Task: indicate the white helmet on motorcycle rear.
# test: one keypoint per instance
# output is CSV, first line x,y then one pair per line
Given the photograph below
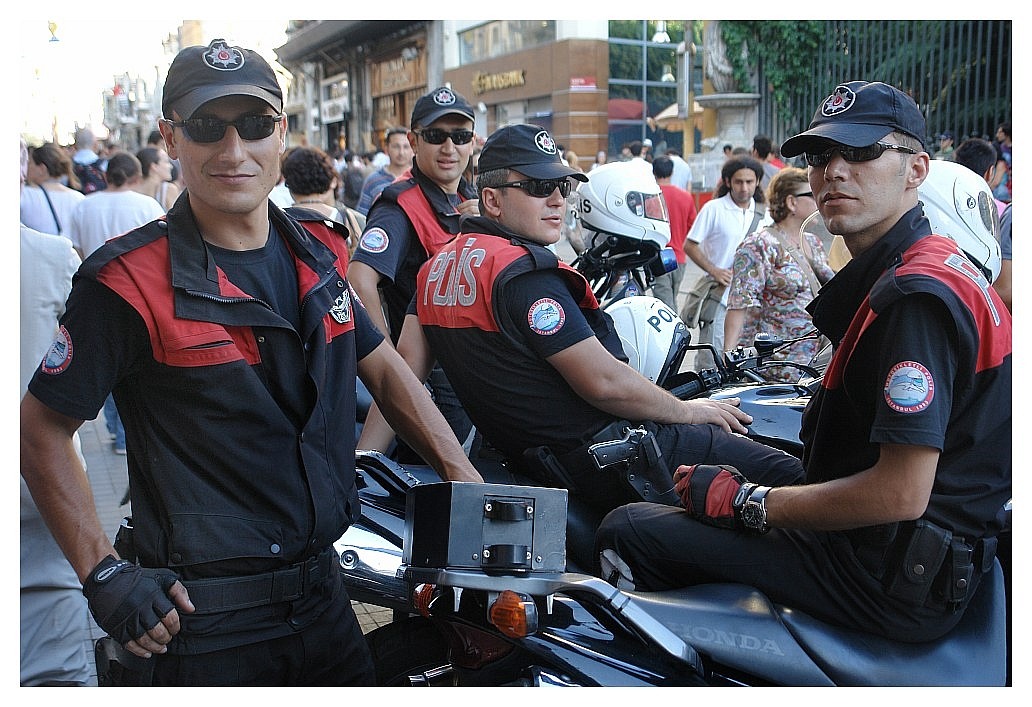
x,y
652,334
959,205
623,199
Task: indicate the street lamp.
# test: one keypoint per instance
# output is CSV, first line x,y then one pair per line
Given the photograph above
x,y
661,33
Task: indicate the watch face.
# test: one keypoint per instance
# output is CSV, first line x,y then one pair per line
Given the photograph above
x,y
753,515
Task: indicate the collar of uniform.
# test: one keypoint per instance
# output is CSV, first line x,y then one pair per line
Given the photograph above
x,y
482,224
838,300
193,267
438,199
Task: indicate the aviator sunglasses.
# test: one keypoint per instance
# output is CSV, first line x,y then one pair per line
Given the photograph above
x,y
437,136
855,154
248,127
541,188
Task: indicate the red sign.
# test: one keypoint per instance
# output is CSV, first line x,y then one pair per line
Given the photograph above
x,y
583,83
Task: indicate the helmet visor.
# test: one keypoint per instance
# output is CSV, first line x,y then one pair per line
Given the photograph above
x,y
651,206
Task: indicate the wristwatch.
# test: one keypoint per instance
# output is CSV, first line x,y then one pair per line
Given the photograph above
x,y
754,509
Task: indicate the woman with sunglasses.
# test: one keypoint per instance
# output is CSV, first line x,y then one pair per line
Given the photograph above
x,y
777,271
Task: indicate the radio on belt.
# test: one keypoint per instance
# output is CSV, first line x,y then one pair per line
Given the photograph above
x,y
490,527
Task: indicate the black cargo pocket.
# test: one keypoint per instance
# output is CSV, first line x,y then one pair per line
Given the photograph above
x,y
196,538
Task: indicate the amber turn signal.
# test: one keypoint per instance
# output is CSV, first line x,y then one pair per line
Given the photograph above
x,y
513,616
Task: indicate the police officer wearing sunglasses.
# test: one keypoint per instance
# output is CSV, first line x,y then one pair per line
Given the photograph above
x,y
231,340
908,439
413,218
534,359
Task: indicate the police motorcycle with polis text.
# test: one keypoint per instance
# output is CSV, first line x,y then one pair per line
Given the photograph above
x,y
485,593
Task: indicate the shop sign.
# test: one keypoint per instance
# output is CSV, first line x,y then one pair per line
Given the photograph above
x,y
482,83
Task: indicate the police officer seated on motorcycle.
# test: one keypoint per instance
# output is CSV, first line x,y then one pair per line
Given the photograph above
x,y
907,442
535,361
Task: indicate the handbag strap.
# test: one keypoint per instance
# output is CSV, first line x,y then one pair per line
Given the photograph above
x,y
57,221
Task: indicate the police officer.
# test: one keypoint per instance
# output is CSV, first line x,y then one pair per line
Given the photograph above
x,y
230,339
907,442
413,218
534,360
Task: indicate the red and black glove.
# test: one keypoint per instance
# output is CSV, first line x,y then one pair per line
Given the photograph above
x,y
708,491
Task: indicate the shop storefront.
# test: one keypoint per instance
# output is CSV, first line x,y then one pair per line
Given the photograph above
x,y
558,85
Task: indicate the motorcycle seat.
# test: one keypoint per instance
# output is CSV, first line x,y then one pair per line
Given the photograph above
x,y
739,627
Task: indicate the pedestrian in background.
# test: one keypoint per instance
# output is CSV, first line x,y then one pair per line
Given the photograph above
x,y
777,272
156,177
52,609
681,209
49,194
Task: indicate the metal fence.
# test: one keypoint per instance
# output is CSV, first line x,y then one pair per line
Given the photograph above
x,y
958,72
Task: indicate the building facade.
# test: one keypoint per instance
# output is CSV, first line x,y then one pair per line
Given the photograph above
x,y
594,92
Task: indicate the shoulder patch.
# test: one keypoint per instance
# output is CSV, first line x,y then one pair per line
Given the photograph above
x,y
59,356
546,317
909,387
374,240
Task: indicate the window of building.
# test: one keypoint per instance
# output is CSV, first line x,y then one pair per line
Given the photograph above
x,y
642,80
501,37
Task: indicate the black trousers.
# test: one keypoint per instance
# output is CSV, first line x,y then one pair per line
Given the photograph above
x,y
330,652
662,547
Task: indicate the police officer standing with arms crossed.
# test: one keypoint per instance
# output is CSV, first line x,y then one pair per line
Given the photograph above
x,y
413,217
908,440
230,339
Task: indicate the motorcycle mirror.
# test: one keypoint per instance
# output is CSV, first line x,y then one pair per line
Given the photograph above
x,y
834,245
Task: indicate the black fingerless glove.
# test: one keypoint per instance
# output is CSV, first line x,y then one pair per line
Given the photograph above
x,y
127,600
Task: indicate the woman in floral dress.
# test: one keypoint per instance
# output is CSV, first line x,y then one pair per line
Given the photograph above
x,y
776,274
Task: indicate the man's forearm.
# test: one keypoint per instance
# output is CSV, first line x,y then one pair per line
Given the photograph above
x,y
61,489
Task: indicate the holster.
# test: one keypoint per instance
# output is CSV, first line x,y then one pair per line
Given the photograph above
x,y
117,667
637,458
931,566
621,463
124,544
910,577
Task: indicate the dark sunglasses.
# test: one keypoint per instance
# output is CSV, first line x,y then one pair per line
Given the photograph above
x,y
805,193
541,188
248,127
854,154
437,136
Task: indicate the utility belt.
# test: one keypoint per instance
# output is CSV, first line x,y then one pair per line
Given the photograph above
x,y
621,462
218,594
923,564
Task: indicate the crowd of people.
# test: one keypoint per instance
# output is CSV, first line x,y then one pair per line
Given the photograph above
x,y
229,292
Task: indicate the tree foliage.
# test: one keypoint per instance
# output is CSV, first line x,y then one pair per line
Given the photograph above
x,y
784,48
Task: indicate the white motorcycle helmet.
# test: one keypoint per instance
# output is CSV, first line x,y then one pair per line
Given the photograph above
x,y
623,199
959,205
653,336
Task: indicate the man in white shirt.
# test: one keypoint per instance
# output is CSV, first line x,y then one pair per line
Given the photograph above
x,y
720,226
105,214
